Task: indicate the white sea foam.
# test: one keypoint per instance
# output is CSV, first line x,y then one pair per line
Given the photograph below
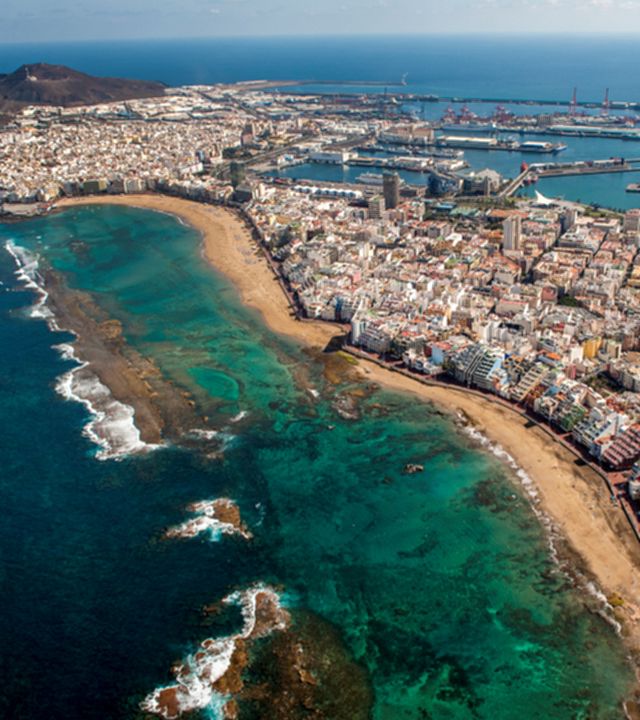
x,y
207,520
112,425
553,534
66,350
606,610
28,273
198,673
224,437
200,434
240,416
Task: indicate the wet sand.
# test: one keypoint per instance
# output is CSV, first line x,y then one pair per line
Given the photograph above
x,y
572,496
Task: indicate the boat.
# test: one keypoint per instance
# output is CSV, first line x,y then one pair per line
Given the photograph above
x,y
444,154
535,146
633,188
370,179
470,127
373,179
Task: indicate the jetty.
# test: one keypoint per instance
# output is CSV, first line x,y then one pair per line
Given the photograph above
x,y
588,167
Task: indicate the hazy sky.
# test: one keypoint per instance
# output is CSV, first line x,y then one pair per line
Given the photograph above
x,y
26,20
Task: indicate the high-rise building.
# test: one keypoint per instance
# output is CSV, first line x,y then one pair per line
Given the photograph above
x,y
376,207
632,221
512,233
568,219
391,190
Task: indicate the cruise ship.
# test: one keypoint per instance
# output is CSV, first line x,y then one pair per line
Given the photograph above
x,y
372,179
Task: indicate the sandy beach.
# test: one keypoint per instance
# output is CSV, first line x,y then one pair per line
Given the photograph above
x,y
571,495
229,248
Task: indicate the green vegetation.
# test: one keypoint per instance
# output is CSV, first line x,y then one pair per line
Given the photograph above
x,y
568,301
347,358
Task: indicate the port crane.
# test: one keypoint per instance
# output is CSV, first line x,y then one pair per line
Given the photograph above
x,y
573,106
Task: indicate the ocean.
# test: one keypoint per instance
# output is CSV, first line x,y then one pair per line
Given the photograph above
x,y
518,66
431,595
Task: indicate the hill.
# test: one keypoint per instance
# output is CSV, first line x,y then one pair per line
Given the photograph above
x,y
42,84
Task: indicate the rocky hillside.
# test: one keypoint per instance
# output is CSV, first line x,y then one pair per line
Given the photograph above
x,y
43,84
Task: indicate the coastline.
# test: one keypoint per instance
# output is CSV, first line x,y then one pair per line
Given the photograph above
x,y
569,494
228,246
101,351
133,409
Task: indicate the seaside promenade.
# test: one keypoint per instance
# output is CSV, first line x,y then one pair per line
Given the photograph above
x,y
613,482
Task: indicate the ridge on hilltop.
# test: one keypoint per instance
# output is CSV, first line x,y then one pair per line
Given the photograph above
x,y
43,84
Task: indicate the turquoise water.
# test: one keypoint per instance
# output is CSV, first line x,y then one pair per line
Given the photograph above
x,y
440,583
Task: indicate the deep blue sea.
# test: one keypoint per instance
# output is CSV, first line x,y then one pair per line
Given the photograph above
x,y
525,66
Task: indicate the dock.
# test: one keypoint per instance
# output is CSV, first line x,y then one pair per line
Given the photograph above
x,y
592,167
407,96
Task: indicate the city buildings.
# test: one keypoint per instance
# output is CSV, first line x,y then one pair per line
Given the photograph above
x,y
512,232
537,305
391,190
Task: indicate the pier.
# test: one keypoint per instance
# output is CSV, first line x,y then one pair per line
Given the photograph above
x,y
602,170
514,185
594,167
428,97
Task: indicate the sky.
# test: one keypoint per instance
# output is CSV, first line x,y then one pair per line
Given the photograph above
x,y
68,20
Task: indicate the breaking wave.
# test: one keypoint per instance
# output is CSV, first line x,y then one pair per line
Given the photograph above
x,y
28,273
604,608
199,677
213,517
111,427
224,438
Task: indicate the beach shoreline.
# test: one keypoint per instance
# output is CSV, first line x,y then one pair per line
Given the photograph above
x,y
570,494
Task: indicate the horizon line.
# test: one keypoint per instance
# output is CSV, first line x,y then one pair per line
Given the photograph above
x,y
632,35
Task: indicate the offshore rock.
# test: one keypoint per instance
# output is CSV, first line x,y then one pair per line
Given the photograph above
x,y
305,672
